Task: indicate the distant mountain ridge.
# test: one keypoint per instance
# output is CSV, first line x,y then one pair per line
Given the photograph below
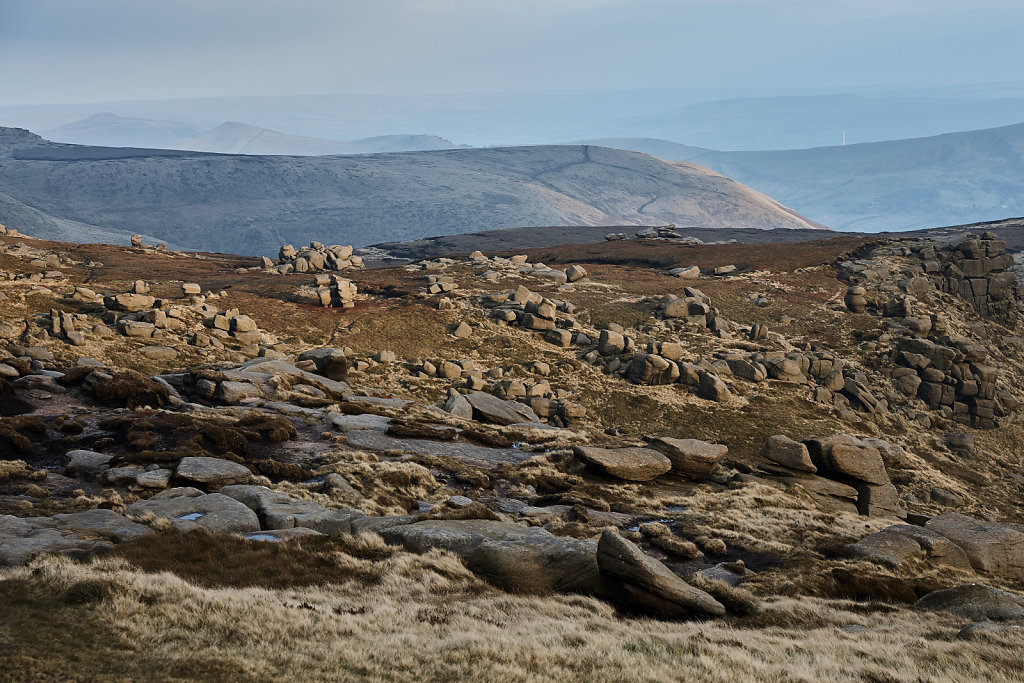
x,y
253,204
111,130
240,138
955,178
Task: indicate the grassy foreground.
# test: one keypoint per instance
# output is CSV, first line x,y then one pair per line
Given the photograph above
x,y
386,614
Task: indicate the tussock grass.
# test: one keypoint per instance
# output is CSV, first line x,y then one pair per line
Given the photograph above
x,y
429,619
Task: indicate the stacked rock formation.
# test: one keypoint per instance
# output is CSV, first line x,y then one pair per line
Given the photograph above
x,y
440,284
233,324
334,291
951,375
840,471
312,259
977,270
693,308
533,312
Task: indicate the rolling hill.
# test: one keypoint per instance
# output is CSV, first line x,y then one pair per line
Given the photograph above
x,y
897,185
253,204
111,130
240,138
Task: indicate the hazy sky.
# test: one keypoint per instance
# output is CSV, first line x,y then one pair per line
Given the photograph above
x,y
94,50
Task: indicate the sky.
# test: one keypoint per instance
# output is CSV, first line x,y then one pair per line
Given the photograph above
x,y
56,51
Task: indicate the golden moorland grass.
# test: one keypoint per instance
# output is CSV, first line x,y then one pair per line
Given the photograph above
x,y
427,618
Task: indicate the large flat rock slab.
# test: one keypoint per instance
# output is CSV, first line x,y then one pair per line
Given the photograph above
x,y
488,408
212,472
631,464
78,535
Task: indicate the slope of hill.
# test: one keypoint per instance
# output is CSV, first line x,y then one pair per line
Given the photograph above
x,y
240,138
254,204
109,129
34,222
898,185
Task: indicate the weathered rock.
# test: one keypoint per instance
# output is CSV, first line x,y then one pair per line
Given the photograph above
x,y
976,602
159,353
649,368
575,273
212,472
857,461
610,343
488,408
128,302
85,463
514,557
189,508
366,421
648,585
458,406
235,392
788,453
632,464
106,524
991,548
686,272
22,539
690,457
154,479
899,543
277,510
712,387
748,370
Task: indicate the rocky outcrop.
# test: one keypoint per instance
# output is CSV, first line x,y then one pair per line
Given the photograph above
x,y
949,539
212,473
312,259
488,408
841,472
850,461
78,535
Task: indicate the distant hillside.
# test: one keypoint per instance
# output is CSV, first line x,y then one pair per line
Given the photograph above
x,y
899,185
240,138
110,130
35,223
774,123
252,204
